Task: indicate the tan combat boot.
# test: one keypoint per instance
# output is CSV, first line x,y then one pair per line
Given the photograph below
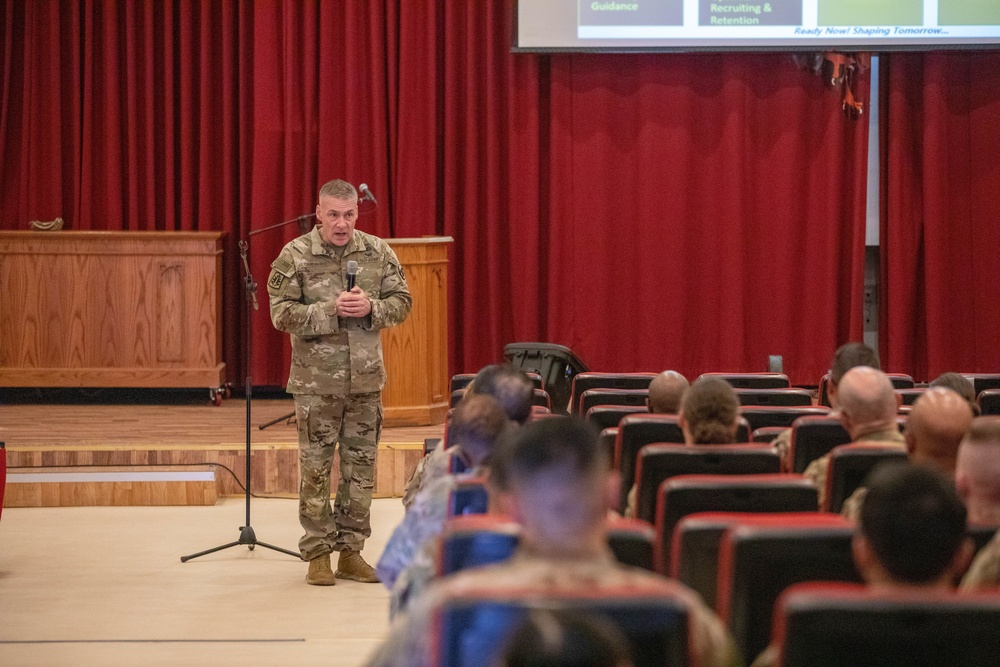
x,y
320,573
352,566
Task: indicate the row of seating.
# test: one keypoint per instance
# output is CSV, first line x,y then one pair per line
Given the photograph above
x,y
740,563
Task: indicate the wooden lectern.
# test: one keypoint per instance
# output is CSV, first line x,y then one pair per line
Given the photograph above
x,y
416,352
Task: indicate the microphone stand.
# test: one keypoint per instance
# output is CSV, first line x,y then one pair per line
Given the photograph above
x,y
247,535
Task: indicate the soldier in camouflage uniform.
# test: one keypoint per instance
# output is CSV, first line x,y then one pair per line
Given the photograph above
x,y
409,559
337,372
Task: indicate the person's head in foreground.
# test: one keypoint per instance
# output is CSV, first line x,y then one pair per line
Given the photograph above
x,y
509,386
911,531
560,637
709,413
552,477
977,472
666,391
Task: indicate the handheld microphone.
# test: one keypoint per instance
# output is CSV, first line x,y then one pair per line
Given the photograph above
x,y
352,274
367,194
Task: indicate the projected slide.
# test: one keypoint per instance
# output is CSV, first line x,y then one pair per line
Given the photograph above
x,y
756,24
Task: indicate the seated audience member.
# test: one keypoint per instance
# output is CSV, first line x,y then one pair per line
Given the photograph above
x,y
709,415
977,478
509,386
960,384
867,406
563,637
666,392
477,423
934,429
910,535
847,356
552,477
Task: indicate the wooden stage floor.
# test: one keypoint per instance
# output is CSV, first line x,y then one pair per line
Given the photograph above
x,y
127,429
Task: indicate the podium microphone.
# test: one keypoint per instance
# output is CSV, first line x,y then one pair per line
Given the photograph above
x,y
352,273
367,194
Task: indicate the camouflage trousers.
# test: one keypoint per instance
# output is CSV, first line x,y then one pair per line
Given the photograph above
x,y
355,421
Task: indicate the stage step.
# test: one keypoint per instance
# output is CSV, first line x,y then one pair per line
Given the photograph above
x,y
111,486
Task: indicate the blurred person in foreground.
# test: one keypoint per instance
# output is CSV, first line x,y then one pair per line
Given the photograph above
x,y
552,477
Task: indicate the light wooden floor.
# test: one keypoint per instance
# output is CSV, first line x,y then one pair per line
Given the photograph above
x,y
105,586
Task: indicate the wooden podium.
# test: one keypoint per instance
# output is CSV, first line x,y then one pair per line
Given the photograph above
x,y
111,309
416,352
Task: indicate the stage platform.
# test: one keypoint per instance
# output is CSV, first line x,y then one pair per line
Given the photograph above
x,y
113,447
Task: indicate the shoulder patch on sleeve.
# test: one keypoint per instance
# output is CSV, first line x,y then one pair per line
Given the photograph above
x,y
284,266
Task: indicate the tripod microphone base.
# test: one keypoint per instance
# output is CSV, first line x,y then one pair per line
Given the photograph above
x,y
248,538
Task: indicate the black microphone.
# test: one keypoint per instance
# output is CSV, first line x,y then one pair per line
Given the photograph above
x,y
352,274
367,194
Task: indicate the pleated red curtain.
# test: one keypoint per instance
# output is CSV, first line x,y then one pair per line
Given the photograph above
x,y
649,211
941,220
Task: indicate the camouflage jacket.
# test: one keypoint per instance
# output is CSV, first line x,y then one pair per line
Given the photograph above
x,y
336,355
984,574
411,637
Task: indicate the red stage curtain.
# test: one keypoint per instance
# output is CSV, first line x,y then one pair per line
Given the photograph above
x,y
649,211
941,222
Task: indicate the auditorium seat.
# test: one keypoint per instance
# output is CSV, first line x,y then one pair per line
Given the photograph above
x,y
630,397
759,559
752,380
658,462
591,380
764,416
813,437
981,533
683,495
608,416
468,497
849,625
989,401
694,548
608,438
983,381
456,397
430,444
631,541
766,434
472,626
774,396
461,381
541,399
638,430
910,396
476,539
850,465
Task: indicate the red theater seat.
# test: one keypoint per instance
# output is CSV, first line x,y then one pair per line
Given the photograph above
x,y
592,380
762,416
470,628
474,540
844,625
631,541
662,461
608,416
787,397
681,496
759,559
850,465
629,397
468,497
752,380
814,437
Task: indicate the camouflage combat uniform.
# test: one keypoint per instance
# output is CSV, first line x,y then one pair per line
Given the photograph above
x,y
412,635
984,574
817,470
433,466
336,377
409,559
